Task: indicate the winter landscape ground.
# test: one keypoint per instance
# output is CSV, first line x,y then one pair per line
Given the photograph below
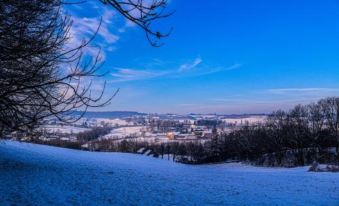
x,y
43,175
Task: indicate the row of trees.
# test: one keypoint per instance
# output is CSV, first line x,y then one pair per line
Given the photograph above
x,y
315,125
192,152
305,126
93,134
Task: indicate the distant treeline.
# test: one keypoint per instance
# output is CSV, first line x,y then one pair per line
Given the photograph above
x,y
302,133
305,126
109,114
93,134
82,138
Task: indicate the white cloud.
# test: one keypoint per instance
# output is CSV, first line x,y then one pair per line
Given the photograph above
x,y
191,65
127,74
298,91
85,26
83,29
220,69
185,70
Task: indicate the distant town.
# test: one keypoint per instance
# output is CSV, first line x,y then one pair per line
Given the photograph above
x,y
138,127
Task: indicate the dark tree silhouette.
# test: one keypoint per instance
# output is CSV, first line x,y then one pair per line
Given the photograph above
x,y
40,76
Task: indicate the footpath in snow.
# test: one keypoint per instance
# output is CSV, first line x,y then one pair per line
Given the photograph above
x,y
43,175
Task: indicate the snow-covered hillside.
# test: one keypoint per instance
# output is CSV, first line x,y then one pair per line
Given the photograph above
x,y
42,175
63,129
124,132
245,120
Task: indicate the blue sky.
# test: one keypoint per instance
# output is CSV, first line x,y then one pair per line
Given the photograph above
x,y
224,56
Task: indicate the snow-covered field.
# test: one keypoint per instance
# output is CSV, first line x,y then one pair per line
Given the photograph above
x,y
124,132
42,175
63,129
249,120
112,122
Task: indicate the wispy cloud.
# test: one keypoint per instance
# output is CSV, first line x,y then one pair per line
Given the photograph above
x,y
127,74
83,29
312,90
220,69
182,71
85,26
191,65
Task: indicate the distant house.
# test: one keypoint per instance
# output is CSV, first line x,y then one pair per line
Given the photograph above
x,y
207,134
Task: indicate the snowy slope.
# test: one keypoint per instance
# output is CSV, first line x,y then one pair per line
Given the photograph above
x,y
124,132
42,175
249,120
63,129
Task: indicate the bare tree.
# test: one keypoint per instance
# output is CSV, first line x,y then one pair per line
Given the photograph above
x,y
40,76
317,120
330,109
298,126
